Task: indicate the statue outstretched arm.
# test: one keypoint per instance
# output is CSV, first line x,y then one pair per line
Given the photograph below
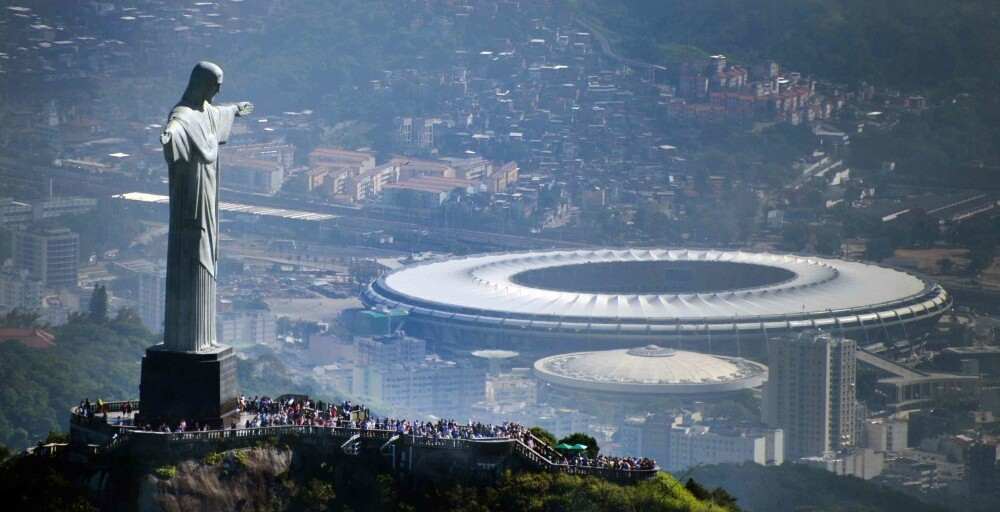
x,y
244,108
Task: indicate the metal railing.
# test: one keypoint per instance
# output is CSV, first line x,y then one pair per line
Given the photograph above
x,y
539,454
610,473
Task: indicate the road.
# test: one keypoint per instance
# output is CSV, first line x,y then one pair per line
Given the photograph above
x,y
606,47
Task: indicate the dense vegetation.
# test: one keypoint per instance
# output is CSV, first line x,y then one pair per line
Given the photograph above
x,y
558,492
796,487
944,50
920,43
93,358
953,144
90,360
336,482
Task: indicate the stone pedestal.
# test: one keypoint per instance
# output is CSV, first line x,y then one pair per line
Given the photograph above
x,y
197,387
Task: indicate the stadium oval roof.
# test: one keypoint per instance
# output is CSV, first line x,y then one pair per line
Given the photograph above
x,y
577,290
650,370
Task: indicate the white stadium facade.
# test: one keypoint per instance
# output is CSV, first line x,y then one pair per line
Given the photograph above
x,y
723,301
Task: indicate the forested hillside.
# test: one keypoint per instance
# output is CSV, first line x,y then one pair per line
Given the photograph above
x,y
923,43
94,359
796,487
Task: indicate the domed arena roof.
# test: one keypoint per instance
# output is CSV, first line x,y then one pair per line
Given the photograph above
x,y
650,370
658,292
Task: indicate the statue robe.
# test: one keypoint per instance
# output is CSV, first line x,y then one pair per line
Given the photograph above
x,y
191,142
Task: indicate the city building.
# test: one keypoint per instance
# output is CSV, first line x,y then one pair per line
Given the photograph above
x,y
14,212
59,206
444,387
514,387
254,175
19,291
904,388
863,463
50,255
695,444
423,192
147,281
975,360
609,383
389,350
396,371
810,392
245,325
333,157
151,295
983,467
886,434
503,178
682,439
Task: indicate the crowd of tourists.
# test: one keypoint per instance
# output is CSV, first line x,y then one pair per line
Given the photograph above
x,y
267,412
604,461
263,411
88,409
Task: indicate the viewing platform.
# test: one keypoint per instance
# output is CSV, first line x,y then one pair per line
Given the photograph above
x,y
109,430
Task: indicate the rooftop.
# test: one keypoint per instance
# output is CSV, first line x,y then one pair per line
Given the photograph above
x,y
650,370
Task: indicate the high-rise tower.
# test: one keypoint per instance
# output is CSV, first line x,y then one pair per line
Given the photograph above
x,y
810,392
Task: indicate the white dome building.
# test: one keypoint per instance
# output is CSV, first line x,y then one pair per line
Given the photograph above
x,y
650,370
609,382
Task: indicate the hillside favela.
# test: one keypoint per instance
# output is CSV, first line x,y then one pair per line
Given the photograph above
x,y
499,255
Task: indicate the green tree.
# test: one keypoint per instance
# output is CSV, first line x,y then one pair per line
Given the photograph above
x,y
980,257
19,318
99,304
580,438
544,435
879,248
945,265
6,245
794,237
828,240
317,495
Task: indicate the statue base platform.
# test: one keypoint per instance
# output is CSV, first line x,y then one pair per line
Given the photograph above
x,y
196,387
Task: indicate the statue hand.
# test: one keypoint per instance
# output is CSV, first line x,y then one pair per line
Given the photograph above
x,y
244,108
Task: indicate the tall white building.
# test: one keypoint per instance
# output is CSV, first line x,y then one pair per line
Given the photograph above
x,y
398,372
19,291
863,463
886,434
390,350
50,255
691,445
433,386
810,393
151,293
681,440
243,327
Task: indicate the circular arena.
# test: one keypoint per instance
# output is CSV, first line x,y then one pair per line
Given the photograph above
x,y
611,382
559,301
650,370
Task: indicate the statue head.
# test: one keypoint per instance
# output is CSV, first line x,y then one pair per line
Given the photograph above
x,y
204,84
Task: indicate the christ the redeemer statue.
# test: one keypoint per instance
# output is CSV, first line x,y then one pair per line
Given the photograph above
x,y
191,139
189,377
